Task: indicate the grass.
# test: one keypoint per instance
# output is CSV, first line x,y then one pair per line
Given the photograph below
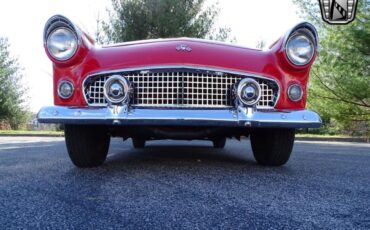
x,y
322,135
333,137
30,133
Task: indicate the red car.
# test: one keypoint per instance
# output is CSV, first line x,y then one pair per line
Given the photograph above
x,y
178,88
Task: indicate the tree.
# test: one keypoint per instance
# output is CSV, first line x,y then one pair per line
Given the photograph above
x,y
261,44
340,78
11,89
146,19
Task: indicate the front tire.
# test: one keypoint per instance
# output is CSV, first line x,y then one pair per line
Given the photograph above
x,y
219,143
272,147
87,145
138,143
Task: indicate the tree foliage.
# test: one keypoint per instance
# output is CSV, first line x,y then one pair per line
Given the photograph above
x,y
340,78
11,89
147,19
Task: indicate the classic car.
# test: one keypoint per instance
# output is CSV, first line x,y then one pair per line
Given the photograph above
x,y
180,88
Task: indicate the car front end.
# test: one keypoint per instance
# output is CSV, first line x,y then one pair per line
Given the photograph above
x,y
179,89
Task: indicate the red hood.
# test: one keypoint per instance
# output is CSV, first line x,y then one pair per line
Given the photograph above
x,y
176,40
164,52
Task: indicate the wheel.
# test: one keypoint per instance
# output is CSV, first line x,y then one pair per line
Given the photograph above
x,y
219,143
87,145
272,147
138,143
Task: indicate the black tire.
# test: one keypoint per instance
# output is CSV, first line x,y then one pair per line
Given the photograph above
x,y
87,145
138,143
272,147
219,143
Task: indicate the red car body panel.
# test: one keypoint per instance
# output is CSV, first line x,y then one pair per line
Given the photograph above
x,y
204,54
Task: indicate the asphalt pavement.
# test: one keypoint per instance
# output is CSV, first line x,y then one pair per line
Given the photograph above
x,y
190,185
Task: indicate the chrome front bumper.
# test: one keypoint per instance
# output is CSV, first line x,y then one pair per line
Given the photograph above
x,y
240,117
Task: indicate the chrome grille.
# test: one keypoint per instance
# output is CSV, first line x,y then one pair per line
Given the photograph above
x,y
268,97
180,89
94,92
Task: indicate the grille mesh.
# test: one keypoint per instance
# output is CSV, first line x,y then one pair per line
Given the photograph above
x,y
179,89
182,89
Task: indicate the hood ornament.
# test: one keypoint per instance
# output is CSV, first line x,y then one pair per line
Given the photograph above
x,y
183,47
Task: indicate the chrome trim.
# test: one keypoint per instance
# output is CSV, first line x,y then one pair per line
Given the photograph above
x,y
302,25
195,67
125,85
58,89
240,117
183,47
241,85
287,92
219,71
57,21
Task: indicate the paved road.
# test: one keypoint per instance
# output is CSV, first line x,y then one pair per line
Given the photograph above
x,y
183,185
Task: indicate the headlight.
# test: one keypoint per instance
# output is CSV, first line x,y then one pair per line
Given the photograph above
x,y
62,43
300,47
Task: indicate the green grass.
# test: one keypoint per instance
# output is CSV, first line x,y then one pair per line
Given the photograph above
x,y
26,132
321,135
333,137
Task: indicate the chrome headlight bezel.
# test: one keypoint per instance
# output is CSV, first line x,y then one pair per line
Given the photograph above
x,y
304,36
57,23
308,34
73,43
300,96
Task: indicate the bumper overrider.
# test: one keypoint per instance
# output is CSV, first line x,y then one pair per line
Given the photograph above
x,y
235,117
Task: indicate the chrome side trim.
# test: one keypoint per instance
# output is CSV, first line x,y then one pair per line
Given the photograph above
x,y
240,117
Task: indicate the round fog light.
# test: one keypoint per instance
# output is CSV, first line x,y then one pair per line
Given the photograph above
x,y
116,89
295,92
65,89
249,91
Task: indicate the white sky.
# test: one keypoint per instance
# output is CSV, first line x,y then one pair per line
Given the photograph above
x,y
22,22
